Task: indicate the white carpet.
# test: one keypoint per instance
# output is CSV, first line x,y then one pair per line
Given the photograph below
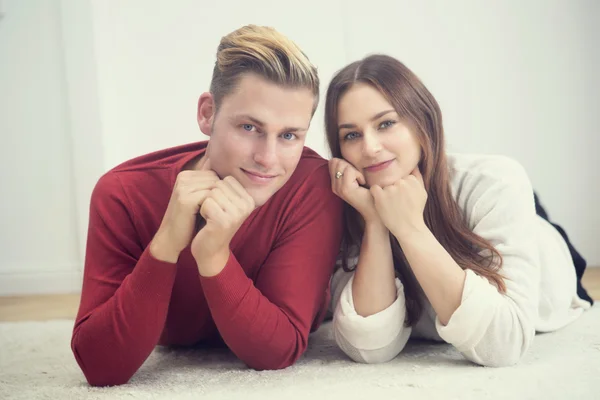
x,y
36,363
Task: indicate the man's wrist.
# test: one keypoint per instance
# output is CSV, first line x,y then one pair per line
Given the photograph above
x,y
163,251
212,264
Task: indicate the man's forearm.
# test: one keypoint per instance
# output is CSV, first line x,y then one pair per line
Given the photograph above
x,y
113,340
254,328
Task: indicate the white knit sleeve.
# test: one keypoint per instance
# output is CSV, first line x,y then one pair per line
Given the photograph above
x,y
374,339
491,328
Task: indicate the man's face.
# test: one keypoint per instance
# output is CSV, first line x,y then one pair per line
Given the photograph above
x,y
258,134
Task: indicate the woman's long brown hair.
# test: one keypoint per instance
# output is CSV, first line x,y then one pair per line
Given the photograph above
x,y
416,106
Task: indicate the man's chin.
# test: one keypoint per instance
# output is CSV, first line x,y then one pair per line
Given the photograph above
x,y
262,193
260,196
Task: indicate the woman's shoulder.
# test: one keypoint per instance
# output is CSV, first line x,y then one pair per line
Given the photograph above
x,y
480,182
485,167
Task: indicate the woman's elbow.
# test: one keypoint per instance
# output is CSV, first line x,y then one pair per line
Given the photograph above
x,y
506,360
503,354
370,356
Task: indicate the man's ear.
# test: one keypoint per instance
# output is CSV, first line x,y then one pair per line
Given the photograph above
x,y
206,113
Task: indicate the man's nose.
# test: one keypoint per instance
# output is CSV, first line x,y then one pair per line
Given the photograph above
x,y
265,153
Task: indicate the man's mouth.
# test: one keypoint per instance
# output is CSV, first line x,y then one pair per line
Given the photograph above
x,y
258,177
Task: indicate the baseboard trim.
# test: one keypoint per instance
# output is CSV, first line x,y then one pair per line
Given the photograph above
x,y
32,283
15,284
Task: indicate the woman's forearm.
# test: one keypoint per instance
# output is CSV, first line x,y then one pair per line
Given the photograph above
x,y
439,275
373,288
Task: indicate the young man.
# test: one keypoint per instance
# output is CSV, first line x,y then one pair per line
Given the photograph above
x,y
232,240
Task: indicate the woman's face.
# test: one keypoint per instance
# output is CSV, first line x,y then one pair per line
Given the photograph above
x,y
373,138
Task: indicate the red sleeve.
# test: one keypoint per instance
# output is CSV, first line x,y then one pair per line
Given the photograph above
x,y
267,324
125,294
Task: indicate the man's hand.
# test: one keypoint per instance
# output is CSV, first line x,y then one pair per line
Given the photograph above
x,y
225,210
177,227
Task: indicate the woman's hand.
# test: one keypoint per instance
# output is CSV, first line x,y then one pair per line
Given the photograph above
x,y
346,183
400,206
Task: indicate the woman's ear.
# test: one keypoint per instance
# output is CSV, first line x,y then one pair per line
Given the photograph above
x,y
206,113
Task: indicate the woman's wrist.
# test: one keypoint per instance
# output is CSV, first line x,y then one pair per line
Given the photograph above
x,y
375,226
412,233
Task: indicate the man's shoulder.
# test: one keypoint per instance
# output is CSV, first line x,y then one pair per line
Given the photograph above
x,y
307,194
152,171
310,184
168,158
312,170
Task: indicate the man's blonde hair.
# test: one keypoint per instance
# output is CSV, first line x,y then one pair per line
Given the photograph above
x,y
265,52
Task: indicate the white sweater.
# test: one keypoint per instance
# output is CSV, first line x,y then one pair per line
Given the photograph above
x,y
488,328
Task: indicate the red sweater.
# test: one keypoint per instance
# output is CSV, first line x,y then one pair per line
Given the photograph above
x,y
273,291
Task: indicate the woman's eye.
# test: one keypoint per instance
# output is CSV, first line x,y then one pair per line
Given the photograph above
x,y
386,124
351,135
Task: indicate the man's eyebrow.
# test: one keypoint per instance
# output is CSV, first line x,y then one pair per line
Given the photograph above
x,y
251,119
262,124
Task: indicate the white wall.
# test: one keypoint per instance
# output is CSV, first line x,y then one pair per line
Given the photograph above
x,y
515,77
107,80
152,69
38,241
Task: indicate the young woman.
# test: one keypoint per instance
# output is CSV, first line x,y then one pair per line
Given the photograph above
x,y
437,246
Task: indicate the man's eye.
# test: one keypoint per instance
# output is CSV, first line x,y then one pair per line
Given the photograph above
x,y
248,127
288,136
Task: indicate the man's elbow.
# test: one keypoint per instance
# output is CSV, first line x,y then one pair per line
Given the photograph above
x,y
100,375
276,359
103,379
271,364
